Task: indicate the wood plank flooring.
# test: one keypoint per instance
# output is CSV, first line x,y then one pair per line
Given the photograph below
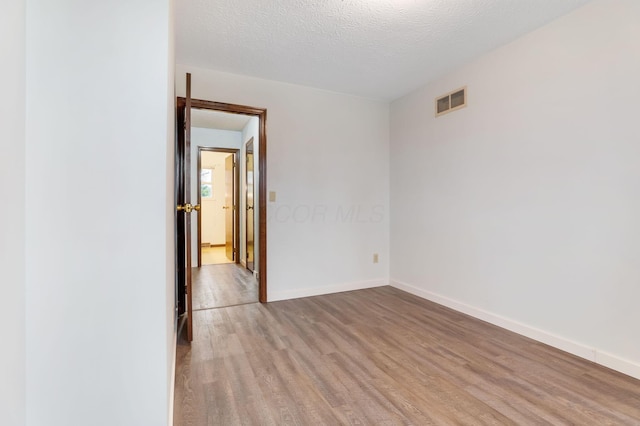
x,y
216,286
384,357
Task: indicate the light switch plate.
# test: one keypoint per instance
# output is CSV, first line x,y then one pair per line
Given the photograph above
x,y
272,196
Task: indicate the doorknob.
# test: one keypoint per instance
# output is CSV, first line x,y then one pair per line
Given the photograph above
x,y
250,208
188,208
225,207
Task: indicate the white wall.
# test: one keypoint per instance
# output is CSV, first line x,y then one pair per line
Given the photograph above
x,y
213,138
327,160
171,324
12,222
523,208
99,296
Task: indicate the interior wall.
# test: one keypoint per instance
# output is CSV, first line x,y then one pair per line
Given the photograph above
x,y
522,208
99,213
171,324
12,222
213,138
327,161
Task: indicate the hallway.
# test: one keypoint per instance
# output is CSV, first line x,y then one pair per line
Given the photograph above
x,y
217,286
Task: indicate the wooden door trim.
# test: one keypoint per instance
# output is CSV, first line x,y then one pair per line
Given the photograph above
x,y
261,113
236,190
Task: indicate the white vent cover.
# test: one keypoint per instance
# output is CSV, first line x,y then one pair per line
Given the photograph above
x,y
452,101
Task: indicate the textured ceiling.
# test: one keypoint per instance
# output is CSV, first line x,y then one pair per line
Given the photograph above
x,y
374,48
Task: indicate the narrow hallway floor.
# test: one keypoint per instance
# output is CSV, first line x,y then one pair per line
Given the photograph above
x,y
216,286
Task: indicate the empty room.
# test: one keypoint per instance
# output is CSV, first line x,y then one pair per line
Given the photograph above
x,y
338,212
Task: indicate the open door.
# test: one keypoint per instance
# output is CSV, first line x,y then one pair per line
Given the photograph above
x,y
229,206
184,208
250,231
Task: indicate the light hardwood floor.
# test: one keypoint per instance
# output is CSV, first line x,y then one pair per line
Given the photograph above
x,y
216,286
384,357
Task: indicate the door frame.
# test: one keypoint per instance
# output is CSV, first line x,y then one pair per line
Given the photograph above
x,y
261,113
236,197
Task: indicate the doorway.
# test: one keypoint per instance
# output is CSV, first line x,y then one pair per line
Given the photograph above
x,y
259,255
218,230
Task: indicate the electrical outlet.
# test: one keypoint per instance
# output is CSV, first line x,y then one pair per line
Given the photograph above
x,y
375,257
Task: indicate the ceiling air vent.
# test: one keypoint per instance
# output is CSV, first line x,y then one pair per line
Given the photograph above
x,y
451,101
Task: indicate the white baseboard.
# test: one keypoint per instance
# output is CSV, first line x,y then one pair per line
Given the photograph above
x,y
614,362
275,296
583,351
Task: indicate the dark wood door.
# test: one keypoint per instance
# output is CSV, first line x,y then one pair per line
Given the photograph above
x,y
181,260
184,212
